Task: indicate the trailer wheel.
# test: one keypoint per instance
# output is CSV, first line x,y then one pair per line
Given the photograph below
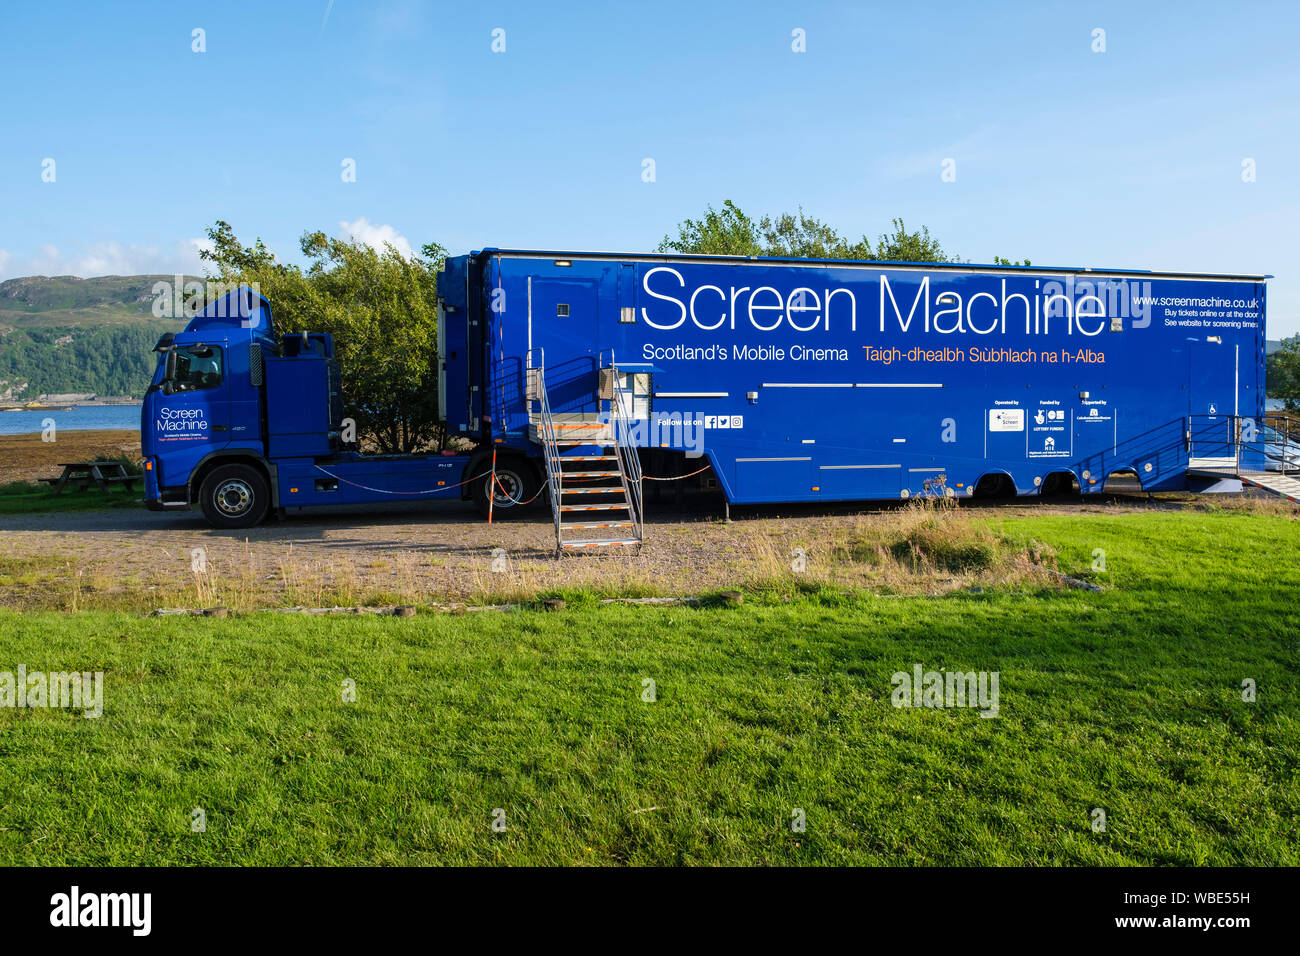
x,y
234,496
1059,483
994,486
516,485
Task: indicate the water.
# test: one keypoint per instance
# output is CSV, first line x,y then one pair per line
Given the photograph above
x,y
87,417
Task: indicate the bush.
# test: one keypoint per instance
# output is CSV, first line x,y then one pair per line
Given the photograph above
x,y
952,547
928,536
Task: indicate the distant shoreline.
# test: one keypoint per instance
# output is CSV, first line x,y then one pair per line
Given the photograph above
x,y
16,420
63,406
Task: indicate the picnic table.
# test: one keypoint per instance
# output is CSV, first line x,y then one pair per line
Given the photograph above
x,y
82,474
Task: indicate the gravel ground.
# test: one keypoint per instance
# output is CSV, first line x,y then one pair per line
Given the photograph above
x,y
436,553
140,560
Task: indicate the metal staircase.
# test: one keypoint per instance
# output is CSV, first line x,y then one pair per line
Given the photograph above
x,y
594,478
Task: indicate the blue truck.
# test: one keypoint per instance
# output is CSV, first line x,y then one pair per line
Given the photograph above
x,y
574,377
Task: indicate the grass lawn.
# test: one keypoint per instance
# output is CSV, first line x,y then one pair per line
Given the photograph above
x,y
1129,701
25,498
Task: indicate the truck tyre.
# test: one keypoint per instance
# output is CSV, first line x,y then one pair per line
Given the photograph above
x,y
994,486
235,496
516,487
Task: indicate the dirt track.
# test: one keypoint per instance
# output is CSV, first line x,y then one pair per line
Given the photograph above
x,y
141,560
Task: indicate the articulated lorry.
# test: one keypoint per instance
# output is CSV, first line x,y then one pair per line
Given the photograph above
x,y
574,377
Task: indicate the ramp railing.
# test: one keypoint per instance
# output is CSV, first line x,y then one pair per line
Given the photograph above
x,y
1241,444
536,392
1283,432
629,460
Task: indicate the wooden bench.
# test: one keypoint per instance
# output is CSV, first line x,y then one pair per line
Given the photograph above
x,y
82,474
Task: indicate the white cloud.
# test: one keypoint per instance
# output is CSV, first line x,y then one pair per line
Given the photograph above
x,y
375,237
107,258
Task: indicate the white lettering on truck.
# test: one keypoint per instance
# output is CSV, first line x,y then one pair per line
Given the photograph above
x,y
766,308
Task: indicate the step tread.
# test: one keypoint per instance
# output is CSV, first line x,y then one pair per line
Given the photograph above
x,y
591,474
609,490
592,525
603,506
599,542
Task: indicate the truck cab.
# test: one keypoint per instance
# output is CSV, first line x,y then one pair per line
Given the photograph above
x,y
245,423
203,426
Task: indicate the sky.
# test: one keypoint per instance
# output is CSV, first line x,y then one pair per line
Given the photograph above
x,y
1171,141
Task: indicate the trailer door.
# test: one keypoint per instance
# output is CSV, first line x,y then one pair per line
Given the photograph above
x,y
565,324
1212,403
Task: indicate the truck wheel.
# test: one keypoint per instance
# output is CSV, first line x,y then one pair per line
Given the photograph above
x,y
516,484
234,496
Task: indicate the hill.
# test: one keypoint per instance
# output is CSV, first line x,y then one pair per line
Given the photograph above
x,y
66,334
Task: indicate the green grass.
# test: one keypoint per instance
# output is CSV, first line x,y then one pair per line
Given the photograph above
x,y
24,498
1128,701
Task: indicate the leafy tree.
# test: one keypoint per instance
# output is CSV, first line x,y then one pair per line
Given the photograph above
x,y
801,236
1282,374
381,309
904,246
729,231
231,259
999,261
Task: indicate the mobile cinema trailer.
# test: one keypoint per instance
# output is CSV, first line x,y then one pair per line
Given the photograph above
x,y
816,380
575,377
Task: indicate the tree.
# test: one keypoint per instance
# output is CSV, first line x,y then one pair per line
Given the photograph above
x,y
801,236
293,303
999,261
1282,374
904,246
381,309
232,259
729,231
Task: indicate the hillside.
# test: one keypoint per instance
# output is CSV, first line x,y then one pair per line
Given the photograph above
x,y
65,334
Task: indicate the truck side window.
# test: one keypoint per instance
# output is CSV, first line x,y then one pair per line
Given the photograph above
x,y
197,367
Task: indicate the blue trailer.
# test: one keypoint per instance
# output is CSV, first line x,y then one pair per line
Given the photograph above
x,y
575,376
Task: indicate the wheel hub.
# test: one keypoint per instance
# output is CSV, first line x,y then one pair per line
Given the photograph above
x,y
233,497
508,489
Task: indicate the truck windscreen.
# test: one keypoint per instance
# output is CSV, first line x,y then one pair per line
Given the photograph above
x,y
190,368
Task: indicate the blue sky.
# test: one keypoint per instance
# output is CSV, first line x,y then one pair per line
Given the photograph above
x,y
1127,158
